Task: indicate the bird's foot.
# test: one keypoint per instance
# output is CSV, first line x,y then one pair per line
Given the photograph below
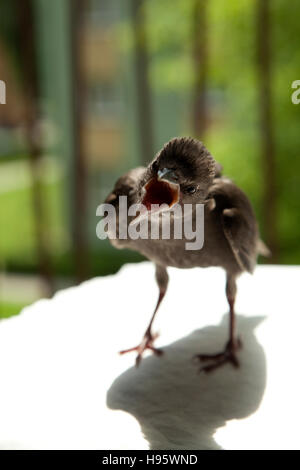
x,y
146,343
228,355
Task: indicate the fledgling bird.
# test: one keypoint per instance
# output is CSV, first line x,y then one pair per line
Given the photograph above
x,y
184,172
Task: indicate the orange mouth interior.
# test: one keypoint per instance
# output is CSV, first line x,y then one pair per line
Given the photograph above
x,y
160,192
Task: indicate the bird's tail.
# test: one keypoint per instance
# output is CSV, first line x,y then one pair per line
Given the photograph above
x,y
262,249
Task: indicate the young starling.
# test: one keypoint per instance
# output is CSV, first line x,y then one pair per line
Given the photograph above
x,y
184,172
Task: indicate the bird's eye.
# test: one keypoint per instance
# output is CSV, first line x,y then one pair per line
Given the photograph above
x,y
190,190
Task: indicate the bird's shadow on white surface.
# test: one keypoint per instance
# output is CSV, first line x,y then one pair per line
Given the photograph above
x,y
177,407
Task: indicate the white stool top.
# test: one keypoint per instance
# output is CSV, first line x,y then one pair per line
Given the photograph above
x,y
64,386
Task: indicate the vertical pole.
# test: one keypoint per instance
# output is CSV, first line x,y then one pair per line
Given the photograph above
x,y
144,106
266,124
80,169
200,55
31,91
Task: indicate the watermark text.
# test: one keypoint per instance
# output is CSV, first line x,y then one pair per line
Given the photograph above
x,y
160,222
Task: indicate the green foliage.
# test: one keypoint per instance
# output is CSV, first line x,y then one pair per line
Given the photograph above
x,y
8,309
233,136
17,237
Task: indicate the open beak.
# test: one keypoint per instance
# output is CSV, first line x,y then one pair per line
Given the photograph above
x,y
162,191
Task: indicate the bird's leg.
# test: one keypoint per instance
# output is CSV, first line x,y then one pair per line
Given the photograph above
x,y
149,337
233,344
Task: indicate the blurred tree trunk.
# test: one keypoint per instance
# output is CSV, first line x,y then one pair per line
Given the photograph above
x,y
264,60
199,42
79,199
29,79
144,105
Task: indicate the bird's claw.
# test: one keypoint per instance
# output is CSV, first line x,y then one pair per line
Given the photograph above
x,y
219,359
147,343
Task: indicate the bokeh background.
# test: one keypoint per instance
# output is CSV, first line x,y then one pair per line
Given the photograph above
x,y
95,87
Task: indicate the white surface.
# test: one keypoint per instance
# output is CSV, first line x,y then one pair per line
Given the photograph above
x,y
63,385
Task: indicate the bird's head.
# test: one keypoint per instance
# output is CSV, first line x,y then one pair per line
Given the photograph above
x,y
181,173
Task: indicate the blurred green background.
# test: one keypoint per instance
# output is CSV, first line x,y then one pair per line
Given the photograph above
x,y
95,87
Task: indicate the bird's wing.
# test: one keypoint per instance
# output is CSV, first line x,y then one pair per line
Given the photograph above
x,y
126,185
238,222
236,231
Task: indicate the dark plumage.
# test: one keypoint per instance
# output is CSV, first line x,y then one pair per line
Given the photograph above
x,y
185,169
